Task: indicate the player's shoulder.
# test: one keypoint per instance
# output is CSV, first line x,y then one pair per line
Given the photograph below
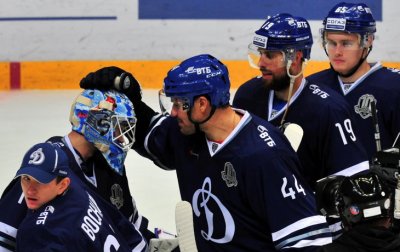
x,y
390,77
390,71
266,136
266,146
324,76
254,85
52,226
324,97
58,140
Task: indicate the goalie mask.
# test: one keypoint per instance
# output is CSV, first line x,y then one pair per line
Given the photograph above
x,y
107,120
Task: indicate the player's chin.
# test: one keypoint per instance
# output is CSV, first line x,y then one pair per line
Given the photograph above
x,y
266,75
32,204
340,69
188,130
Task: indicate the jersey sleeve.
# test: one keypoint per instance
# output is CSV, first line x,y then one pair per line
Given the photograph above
x,y
12,211
281,198
42,238
161,140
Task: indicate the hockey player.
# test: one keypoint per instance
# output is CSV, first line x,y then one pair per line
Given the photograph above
x,y
365,205
347,37
280,50
238,171
64,214
103,124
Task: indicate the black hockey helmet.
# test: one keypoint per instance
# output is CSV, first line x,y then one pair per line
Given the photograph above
x,y
364,197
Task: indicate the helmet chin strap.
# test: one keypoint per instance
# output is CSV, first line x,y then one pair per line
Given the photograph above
x,y
197,124
292,79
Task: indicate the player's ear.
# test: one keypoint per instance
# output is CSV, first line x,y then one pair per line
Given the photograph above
x,y
203,103
370,40
299,57
63,185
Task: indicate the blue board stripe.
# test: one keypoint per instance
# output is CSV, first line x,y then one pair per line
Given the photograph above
x,y
242,9
57,18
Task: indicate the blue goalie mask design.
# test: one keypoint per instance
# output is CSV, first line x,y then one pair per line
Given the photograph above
x,y
106,119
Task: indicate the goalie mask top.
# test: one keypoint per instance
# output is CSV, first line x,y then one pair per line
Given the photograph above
x,y
106,119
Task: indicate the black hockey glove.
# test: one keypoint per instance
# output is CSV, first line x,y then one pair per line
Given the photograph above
x,y
114,78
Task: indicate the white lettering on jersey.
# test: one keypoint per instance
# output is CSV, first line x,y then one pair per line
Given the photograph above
x,y
349,130
316,90
92,220
41,220
265,136
207,196
286,192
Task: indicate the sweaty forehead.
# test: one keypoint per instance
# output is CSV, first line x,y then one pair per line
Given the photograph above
x,y
178,99
341,36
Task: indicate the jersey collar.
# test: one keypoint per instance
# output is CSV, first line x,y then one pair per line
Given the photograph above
x,y
346,88
272,114
214,147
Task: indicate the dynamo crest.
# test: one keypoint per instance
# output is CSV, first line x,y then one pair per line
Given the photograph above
x,y
363,107
229,175
117,197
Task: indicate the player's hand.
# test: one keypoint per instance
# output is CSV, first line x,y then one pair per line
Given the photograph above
x,y
113,78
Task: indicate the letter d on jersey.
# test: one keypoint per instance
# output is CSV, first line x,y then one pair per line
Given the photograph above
x,y
206,196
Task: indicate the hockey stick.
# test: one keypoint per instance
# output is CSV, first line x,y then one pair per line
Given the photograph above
x,y
184,227
377,134
294,133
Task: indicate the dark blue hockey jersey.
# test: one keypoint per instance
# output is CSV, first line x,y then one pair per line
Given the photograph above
x,y
246,193
384,85
330,145
109,185
79,220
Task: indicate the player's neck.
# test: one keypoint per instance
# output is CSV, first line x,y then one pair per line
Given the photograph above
x,y
81,145
284,94
364,68
221,124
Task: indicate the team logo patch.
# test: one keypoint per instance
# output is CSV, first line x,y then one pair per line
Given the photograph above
x,y
363,106
214,147
229,175
260,41
37,157
354,210
117,196
336,24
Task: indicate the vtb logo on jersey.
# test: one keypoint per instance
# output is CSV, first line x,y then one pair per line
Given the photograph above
x,y
41,219
117,196
363,107
229,175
